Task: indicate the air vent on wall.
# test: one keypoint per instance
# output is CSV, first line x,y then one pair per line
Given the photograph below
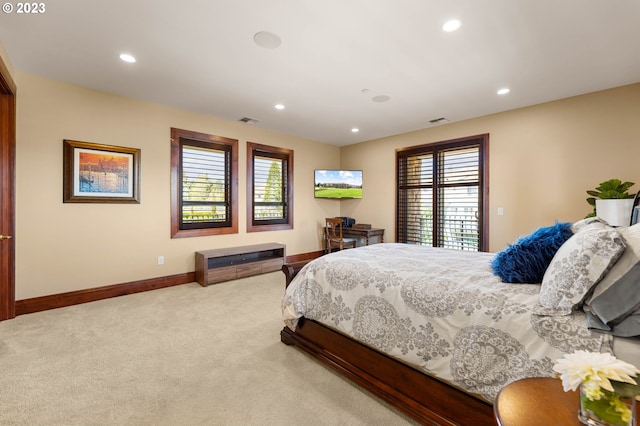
x,y
248,120
440,120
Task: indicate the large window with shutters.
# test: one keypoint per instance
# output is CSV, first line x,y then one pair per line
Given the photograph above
x,y
441,194
269,188
204,184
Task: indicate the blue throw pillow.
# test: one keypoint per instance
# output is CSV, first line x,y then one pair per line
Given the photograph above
x,y
526,260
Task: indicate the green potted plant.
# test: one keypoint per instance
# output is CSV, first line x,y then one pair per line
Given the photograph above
x,y
612,202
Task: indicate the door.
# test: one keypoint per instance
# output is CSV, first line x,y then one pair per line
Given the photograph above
x,y
7,192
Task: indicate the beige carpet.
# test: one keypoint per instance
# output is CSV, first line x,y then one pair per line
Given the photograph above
x,y
184,355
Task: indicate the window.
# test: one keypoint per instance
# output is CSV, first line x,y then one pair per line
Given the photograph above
x,y
441,189
204,184
269,188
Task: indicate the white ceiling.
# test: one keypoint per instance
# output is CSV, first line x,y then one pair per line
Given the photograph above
x,y
335,57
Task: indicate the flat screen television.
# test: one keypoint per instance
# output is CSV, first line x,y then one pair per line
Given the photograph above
x,y
338,184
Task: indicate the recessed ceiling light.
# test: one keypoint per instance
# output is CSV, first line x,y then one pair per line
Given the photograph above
x,y
279,106
451,25
127,58
381,98
267,40
503,91
355,130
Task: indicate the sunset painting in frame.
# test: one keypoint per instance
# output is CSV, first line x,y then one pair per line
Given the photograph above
x,y
100,173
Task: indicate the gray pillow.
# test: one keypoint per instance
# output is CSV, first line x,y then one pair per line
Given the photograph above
x,y
631,256
628,327
617,295
578,265
620,300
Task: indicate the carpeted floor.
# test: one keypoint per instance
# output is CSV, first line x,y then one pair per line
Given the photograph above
x,y
183,355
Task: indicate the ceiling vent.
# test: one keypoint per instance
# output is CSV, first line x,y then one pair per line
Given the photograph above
x,y
440,120
248,120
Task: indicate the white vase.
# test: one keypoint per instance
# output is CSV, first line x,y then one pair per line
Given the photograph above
x,y
616,212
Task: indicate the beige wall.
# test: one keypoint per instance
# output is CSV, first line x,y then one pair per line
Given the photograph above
x,y
542,160
5,59
63,247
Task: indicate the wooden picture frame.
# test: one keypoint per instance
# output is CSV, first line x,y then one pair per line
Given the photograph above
x,y
95,173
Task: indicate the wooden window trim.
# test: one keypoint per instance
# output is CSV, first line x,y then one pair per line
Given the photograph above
x,y
176,183
483,141
252,150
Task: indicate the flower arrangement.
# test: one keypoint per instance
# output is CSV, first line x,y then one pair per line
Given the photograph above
x,y
607,387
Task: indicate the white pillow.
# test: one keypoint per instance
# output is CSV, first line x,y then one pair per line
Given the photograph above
x,y
577,266
581,224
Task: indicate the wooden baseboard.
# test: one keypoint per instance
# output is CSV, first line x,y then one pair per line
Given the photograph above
x,y
43,303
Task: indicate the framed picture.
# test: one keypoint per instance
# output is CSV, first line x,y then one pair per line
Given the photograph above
x,y
95,173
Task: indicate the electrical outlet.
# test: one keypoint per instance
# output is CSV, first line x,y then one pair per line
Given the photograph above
x,y
160,260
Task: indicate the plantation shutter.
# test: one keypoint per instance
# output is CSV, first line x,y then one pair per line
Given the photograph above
x,y
458,191
269,190
415,199
440,195
206,179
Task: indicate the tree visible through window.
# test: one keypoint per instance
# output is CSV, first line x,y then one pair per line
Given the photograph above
x,y
267,193
270,188
203,184
441,194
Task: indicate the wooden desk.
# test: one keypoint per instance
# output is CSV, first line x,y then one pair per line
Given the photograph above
x,y
358,233
352,232
538,401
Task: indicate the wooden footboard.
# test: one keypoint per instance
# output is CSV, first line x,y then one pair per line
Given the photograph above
x,y
290,270
424,398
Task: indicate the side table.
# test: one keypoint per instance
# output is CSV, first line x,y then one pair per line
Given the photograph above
x,y
538,401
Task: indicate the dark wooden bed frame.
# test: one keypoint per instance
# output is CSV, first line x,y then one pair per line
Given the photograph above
x,y
422,397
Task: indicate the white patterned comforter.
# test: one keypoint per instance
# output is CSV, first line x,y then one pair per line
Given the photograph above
x,y
440,310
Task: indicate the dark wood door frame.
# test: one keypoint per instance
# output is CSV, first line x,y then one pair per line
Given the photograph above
x,y
7,192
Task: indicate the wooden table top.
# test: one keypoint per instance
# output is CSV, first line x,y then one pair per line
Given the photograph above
x,y
538,401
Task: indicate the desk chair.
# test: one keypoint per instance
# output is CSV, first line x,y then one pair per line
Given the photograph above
x,y
333,235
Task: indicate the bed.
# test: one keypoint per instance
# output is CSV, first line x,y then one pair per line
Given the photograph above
x,y
437,333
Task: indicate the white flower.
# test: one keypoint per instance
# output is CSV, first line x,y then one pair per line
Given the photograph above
x,y
592,391
594,369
